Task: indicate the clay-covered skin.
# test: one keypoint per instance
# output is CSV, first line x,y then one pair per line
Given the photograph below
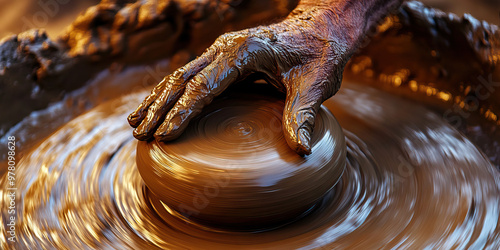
x,y
237,154
412,180
36,70
303,56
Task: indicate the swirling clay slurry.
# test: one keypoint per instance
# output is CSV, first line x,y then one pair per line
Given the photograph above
x,y
410,181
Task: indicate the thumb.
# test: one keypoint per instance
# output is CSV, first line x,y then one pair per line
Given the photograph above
x,y
302,104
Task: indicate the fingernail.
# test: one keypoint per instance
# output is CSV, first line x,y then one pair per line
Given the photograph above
x,y
164,132
304,139
161,132
140,134
132,119
165,136
162,137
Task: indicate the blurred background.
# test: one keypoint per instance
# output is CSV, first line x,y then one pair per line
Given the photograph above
x,y
54,15
17,16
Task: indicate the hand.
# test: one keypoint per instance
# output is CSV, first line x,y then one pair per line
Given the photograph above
x,y
302,56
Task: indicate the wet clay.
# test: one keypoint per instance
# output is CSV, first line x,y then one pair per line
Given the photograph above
x,y
411,181
36,70
303,56
232,167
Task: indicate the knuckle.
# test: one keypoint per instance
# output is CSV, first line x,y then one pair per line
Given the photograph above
x,y
233,40
154,107
226,38
174,81
252,50
212,51
305,116
198,85
179,73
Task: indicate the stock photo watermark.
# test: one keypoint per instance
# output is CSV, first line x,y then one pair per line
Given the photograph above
x,y
220,180
404,170
202,197
456,114
10,189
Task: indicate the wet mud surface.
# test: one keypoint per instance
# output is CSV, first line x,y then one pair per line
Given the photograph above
x,y
411,180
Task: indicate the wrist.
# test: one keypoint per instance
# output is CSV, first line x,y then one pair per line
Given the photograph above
x,y
345,21
340,27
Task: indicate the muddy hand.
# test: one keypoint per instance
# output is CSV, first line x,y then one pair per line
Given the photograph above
x,y
304,56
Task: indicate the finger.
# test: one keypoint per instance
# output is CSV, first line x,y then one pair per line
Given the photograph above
x,y
135,118
180,75
201,90
302,104
151,112
157,110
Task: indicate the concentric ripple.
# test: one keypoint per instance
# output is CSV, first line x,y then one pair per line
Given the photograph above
x,y
233,168
411,181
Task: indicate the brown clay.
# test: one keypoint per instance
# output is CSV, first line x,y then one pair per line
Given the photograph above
x,y
411,180
303,56
233,168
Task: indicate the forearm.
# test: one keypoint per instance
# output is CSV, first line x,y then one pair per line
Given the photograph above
x,y
347,21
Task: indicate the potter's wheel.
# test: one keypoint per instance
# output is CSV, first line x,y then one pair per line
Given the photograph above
x,y
411,181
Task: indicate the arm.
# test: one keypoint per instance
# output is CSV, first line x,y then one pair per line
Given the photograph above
x,y
36,70
303,55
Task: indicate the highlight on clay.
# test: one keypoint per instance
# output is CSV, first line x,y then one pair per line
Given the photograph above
x,y
285,124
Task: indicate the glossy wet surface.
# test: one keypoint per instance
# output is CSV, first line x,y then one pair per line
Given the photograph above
x,y
411,181
233,168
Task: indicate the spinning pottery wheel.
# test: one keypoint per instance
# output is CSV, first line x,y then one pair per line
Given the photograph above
x,y
233,168
398,174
